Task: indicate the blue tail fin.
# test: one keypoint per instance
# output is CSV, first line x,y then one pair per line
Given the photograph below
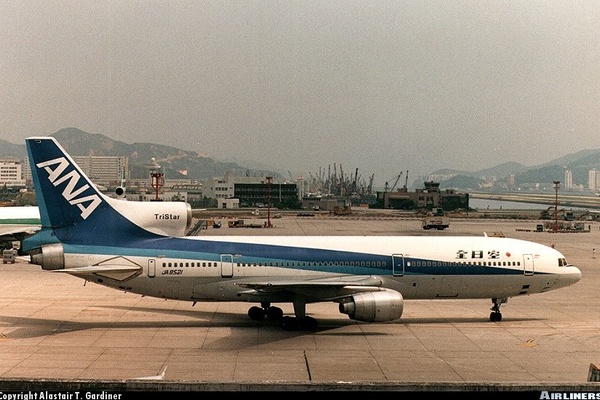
x,y
72,210
65,195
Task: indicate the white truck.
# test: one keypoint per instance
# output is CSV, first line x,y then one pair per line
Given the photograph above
x,y
435,222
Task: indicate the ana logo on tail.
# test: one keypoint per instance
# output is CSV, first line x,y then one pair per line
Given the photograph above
x,y
87,204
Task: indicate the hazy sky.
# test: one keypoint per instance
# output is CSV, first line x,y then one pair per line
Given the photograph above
x,y
382,86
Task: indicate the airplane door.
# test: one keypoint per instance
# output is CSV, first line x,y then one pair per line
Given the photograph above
x,y
226,265
151,268
528,267
397,264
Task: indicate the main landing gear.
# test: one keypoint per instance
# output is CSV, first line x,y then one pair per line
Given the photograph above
x,y
496,315
300,322
265,310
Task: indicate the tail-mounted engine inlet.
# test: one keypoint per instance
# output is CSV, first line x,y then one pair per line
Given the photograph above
x,y
49,257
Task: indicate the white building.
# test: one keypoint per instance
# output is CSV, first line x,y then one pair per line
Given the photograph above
x,y
568,179
593,179
11,172
228,203
105,170
224,188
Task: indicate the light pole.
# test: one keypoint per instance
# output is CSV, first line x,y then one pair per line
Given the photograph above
x,y
269,178
556,187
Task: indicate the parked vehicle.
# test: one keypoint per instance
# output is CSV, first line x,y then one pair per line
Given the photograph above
x,y
9,256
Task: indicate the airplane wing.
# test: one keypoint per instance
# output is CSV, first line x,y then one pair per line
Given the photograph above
x,y
322,289
18,222
15,230
16,233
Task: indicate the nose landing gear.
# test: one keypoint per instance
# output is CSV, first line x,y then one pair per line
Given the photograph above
x,y
496,315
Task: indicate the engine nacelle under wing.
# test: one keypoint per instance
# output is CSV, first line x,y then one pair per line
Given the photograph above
x,y
386,305
171,218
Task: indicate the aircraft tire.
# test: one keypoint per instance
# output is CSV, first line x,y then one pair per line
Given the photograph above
x,y
495,316
289,323
274,313
256,313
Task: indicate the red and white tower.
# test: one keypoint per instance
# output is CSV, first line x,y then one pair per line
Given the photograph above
x,y
157,178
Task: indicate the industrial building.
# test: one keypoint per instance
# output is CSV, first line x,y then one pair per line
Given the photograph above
x,y
267,193
324,203
429,197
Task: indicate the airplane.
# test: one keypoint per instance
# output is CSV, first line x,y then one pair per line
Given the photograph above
x,y
86,235
17,222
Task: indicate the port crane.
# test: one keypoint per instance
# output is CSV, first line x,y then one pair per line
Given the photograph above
x,y
387,186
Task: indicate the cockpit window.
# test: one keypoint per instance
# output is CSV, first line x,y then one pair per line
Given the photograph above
x,y
562,262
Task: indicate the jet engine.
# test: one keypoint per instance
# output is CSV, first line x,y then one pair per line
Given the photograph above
x,y
386,305
49,256
120,192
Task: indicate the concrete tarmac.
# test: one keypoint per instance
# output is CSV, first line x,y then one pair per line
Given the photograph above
x,y
58,333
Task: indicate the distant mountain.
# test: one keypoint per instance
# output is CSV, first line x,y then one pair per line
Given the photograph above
x,y
172,160
592,157
200,167
463,182
502,170
8,149
579,164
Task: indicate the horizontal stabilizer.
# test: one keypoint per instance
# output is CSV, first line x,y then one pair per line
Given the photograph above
x,y
117,272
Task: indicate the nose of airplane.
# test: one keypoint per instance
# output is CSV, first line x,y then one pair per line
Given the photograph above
x,y
570,276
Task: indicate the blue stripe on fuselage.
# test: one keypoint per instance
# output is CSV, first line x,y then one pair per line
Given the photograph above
x,y
337,261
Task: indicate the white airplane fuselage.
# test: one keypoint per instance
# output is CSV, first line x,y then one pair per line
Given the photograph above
x,y
417,267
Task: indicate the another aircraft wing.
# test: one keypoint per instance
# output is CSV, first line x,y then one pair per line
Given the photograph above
x,y
13,230
18,222
322,289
